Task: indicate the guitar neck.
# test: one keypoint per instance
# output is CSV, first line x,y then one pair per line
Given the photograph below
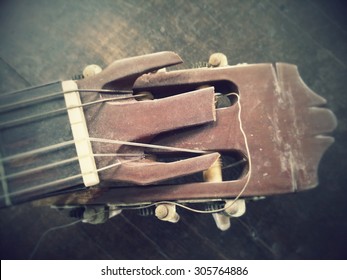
x,y
38,154
44,137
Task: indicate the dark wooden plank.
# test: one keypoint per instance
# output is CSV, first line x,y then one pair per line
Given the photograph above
x,y
177,240
333,11
23,226
312,23
232,243
117,237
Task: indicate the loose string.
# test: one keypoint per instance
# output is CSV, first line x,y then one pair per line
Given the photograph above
x,y
249,166
240,193
16,122
145,145
232,165
47,232
38,243
100,140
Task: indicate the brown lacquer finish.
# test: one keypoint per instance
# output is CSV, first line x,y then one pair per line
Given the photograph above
x,y
282,118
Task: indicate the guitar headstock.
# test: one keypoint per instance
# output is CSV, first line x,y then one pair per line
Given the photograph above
x,y
212,137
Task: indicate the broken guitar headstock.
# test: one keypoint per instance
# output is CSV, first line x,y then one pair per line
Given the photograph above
x,y
205,139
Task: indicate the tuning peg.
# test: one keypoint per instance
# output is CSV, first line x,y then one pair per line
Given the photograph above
x,y
167,212
128,70
91,70
96,214
234,208
218,60
222,221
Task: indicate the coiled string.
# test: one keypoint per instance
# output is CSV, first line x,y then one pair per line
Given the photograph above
x,y
241,191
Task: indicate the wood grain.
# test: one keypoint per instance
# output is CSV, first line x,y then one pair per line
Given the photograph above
x,y
42,41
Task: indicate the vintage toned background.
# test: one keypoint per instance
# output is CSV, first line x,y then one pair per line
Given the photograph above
x,y
44,40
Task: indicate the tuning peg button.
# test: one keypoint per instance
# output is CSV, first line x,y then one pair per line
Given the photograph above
x,y
222,221
236,208
91,70
218,60
167,212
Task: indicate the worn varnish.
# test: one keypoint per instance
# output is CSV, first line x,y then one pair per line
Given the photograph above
x,y
36,49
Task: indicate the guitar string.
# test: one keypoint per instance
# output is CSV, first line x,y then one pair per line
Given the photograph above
x,y
26,89
232,165
31,118
145,145
60,110
38,151
41,98
52,147
7,194
45,149
62,162
38,243
4,184
239,194
176,203
104,140
59,145
63,180
6,94
170,202
70,142
249,166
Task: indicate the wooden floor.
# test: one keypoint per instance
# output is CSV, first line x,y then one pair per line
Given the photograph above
x,y
42,41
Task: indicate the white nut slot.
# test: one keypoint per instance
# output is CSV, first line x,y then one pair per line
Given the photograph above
x,y
167,212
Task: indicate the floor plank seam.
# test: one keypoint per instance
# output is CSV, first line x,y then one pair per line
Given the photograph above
x,y
28,84
156,246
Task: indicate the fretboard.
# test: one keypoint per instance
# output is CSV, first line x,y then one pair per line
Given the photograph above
x,y
38,155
